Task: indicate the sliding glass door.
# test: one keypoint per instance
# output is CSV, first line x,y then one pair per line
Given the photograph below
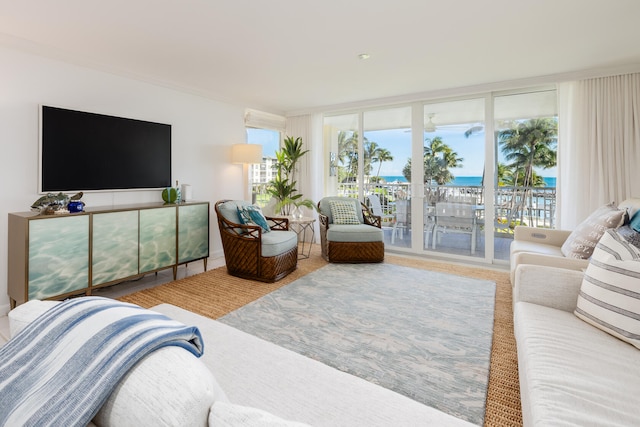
x,y
525,140
453,205
449,177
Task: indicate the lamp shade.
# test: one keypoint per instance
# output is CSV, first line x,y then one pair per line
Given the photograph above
x,y
246,153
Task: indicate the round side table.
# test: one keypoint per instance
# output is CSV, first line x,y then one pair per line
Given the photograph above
x,y
305,238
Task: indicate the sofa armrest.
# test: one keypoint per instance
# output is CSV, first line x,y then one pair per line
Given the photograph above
x,y
549,286
544,260
545,236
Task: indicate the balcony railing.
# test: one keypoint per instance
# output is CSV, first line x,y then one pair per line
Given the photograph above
x,y
532,206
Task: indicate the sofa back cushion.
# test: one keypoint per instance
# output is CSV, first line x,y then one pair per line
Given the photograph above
x,y
609,297
584,238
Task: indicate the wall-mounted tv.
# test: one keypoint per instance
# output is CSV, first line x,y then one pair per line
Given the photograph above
x,y
81,151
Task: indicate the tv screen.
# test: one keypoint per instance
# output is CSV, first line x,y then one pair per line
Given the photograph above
x,y
83,151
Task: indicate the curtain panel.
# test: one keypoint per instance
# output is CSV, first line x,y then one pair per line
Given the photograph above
x,y
599,145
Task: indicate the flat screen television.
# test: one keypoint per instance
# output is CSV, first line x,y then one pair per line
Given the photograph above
x,y
81,151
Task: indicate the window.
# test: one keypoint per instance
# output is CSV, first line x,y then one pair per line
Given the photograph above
x,y
261,174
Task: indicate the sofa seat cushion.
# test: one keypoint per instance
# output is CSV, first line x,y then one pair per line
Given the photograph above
x,y
539,248
278,242
354,233
572,373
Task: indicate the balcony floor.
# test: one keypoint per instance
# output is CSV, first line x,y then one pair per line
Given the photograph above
x,y
453,243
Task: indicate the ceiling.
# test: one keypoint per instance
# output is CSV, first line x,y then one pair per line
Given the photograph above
x,y
295,55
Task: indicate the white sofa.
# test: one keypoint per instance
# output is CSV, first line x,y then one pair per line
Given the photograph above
x,y
571,373
540,246
242,371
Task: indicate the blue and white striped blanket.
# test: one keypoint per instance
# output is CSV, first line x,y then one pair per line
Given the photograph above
x,y
60,369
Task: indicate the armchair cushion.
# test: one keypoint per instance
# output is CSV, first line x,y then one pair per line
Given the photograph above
x,y
230,208
583,239
354,233
277,243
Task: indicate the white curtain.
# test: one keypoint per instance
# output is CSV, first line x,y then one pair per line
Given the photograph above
x,y
310,176
599,145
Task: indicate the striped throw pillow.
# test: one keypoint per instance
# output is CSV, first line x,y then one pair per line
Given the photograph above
x,y
609,297
344,212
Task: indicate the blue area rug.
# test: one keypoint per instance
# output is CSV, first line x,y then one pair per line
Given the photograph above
x,y
423,334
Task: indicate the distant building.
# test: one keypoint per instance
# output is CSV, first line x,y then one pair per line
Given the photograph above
x,y
264,172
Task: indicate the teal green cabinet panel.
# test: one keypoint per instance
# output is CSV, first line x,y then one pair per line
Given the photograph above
x,y
114,246
193,232
58,256
157,238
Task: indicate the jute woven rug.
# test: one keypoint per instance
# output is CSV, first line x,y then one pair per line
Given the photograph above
x,y
215,293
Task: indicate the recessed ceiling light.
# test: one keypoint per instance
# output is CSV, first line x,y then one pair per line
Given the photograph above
x,y
364,56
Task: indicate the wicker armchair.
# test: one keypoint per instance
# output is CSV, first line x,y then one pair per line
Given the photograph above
x,y
251,254
350,243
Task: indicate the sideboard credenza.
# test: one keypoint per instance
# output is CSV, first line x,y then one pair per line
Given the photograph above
x,y
56,256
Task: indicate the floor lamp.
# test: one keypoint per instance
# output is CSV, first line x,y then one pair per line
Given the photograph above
x,y
246,154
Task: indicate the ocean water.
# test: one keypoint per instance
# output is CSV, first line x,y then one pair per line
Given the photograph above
x,y
465,181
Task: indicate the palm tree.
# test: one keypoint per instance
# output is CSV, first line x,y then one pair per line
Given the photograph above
x,y
348,153
530,144
381,155
439,158
370,151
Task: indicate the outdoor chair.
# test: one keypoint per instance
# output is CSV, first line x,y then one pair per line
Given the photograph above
x,y
403,220
349,231
251,253
455,218
376,208
401,223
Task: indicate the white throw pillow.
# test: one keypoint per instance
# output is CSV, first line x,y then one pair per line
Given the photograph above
x,y
169,387
584,238
609,298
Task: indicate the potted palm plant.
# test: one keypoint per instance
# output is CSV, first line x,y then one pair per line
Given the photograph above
x,y
283,187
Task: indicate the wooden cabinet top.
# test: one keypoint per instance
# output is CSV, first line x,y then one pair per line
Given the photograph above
x,y
104,209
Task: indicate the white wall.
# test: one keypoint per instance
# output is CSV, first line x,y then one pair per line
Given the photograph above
x,y
202,132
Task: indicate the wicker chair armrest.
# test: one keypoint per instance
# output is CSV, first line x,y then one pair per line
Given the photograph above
x,y
278,223
241,230
324,220
370,218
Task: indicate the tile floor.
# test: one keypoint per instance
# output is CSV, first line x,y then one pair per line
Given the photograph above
x,y
146,281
